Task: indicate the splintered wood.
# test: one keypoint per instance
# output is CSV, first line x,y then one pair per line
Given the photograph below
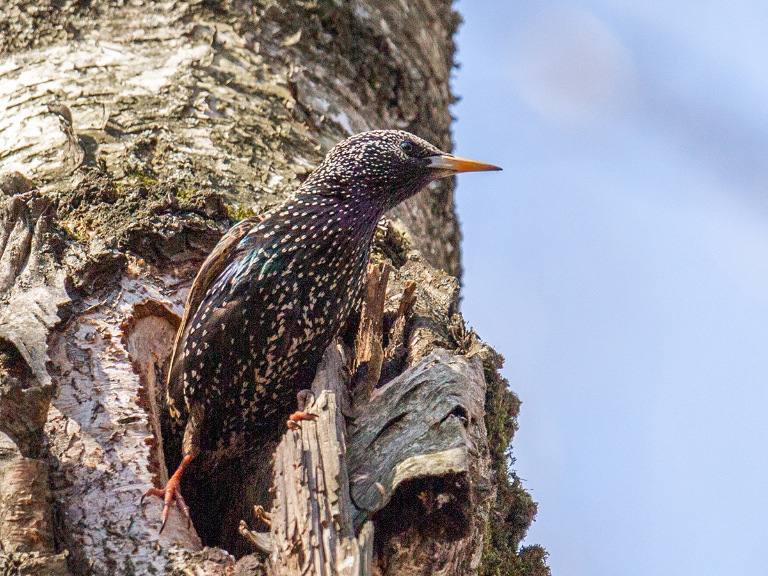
x,y
311,525
369,348
396,352
413,452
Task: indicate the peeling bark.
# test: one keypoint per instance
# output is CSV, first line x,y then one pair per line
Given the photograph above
x,y
26,524
229,95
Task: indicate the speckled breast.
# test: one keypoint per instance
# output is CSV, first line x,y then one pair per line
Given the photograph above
x,y
262,329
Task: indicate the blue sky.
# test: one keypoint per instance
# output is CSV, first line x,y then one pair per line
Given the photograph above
x,y
620,264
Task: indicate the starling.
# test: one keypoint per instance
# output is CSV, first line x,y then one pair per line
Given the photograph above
x,y
275,291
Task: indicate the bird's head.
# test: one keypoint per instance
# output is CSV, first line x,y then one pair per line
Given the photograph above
x,y
384,167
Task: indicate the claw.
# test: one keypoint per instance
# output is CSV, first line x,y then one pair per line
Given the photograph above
x,y
172,493
296,417
262,514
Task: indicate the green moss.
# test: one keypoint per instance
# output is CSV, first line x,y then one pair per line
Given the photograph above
x,y
533,561
514,509
238,212
185,194
142,179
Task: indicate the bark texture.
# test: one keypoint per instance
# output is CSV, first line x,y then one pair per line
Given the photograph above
x,y
132,135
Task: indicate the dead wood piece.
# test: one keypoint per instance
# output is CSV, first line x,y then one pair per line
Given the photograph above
x,y
415,426
436,301
332,376
464,339
397,333
369,349
311,516
397,347
419,459
425,426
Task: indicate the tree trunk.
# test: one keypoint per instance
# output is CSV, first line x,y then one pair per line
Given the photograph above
x,y
134,135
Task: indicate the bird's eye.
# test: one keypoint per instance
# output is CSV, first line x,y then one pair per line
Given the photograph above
x,y
407,147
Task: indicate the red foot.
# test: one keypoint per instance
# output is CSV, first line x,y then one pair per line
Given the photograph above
x,y
296,417
171,493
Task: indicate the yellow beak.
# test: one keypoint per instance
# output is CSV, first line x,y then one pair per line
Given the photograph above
x,y
455,165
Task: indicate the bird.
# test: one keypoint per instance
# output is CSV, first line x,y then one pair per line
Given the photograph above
x,y
276,289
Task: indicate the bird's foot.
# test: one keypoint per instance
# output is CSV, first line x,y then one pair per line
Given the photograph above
x,y
262,514
303,398
172,493
296,417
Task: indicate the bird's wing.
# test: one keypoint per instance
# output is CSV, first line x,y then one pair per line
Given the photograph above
x,y
213,266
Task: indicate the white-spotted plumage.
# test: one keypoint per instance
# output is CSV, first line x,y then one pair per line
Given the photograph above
x,y
276,289
272,299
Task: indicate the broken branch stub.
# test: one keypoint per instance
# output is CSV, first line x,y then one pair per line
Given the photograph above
x,y
369,345
311,524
